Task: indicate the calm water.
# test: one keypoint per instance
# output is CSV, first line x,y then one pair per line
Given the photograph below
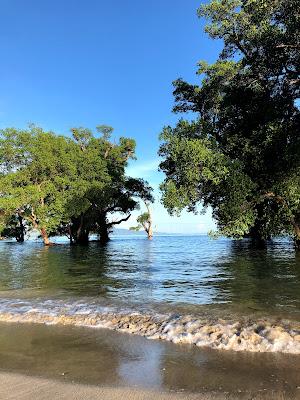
x,y
170,271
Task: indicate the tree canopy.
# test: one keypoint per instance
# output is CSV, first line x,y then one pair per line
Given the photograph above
x,y
71,185
241,154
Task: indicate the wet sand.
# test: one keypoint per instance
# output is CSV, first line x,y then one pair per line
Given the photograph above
x,y
20,387
97,360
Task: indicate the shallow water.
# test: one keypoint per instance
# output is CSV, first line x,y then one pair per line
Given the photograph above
x,y
186,270
102,357
187,289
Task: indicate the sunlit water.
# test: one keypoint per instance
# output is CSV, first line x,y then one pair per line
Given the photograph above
x,y
179,270
187,289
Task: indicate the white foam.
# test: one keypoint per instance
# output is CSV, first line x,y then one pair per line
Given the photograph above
x,y
262,335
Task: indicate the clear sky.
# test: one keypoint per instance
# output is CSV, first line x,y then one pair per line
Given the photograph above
x,y
68,63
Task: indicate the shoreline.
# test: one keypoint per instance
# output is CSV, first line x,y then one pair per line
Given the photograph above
x,y
117,362
23,387
255,335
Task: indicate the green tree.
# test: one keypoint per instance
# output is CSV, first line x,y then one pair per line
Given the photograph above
x,y
36,171
241,155
103,195
59,185
144,221
13,226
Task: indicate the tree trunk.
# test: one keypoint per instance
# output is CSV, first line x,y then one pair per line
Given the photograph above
x,y
104,236
150,232
42,230
103,229
83,237
79,232
295,221
297,236
70,235
20,230
45,237
256,238
150,229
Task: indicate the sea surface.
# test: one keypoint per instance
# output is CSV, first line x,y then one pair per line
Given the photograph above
x,y
221,294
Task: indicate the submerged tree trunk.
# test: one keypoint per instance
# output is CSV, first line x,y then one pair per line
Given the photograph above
x,y
79,232
103,229
83,237
255,233
150,233
45,237
296,226
104,234
297,243
70,235
149,229
42,230
20,230
104,226
256,238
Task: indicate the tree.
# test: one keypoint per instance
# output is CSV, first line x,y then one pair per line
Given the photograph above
x,y
36,171
144,221
117,198
92,177
13,227
59,185
241,155
103,190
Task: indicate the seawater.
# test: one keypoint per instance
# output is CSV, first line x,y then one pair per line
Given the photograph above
x,y
221,293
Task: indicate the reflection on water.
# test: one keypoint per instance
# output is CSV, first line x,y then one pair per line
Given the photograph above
x,y
174,270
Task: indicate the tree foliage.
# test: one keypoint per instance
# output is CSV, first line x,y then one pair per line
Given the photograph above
x,y
71,185
241,155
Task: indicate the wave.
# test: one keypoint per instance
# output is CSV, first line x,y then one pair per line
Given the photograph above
x,y
245,334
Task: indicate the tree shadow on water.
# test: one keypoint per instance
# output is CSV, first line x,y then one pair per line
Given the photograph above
x,y
263,278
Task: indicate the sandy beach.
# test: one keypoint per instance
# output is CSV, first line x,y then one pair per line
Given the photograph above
x,y
21,387
62,362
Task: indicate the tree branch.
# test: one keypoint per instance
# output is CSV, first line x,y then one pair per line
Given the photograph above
x,y
120,221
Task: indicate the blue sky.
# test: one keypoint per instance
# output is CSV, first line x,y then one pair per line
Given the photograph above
x,y
83,63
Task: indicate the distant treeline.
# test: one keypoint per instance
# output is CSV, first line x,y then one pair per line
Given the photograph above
x,y
72,186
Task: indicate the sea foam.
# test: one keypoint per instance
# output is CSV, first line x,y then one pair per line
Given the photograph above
x,y
245,334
